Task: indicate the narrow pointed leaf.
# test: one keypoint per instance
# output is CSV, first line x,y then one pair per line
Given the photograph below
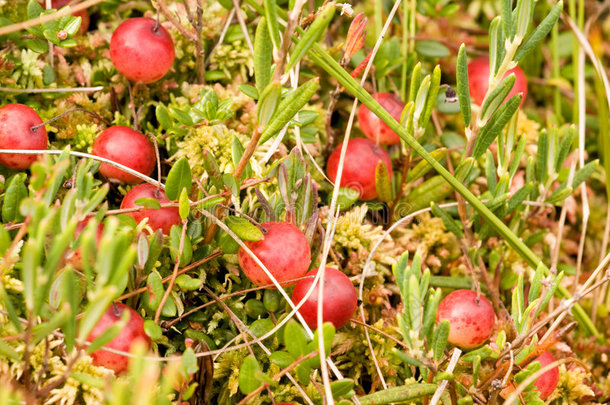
x,y
495,125
263,55
463,88
312,35
539,32
289,106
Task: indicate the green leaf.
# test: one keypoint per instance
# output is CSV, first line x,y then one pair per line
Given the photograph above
x,y
155,290
153,330
189,361
110,333
435,82
434,189
94,310
507,14
496,47
405,393
247,375
415,82
237,151
295,339
463,88
347,198
187,283
71,296
383,183
539,32
34,9
212,169
272,300
263,55
15,193
328,334
37,45
73,25
282,359
524,16
406,358
289,106
342,388
440,339
497,97
249,91
312,35
583,174
178,178
495,125
261,327
451,224
423,167
184,206
148,202
58,320
430,314
175,234
431,49
270,10
542,155
303,373
163,117
8,352
536,285
243,228
268,103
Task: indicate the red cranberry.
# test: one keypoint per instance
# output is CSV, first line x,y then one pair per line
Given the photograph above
x,y
547,382
339,298
128,147
472,321
161,218
16,122
142,50
478,80
76,258
132,332
372,126
361,160
284,251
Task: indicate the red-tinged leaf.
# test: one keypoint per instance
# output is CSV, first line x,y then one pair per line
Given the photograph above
x,y
355,36
361,66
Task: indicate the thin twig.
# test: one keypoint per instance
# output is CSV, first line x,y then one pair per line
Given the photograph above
x,y
48,17
53,90
172,280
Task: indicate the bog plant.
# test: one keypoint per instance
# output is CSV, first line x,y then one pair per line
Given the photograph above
x,y
207,249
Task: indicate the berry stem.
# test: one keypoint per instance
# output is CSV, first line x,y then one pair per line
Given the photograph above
x,y
93,114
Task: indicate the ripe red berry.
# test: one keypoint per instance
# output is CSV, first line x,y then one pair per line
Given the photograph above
x,y
472,321
339,298
284,251
361,158
142,50
16,122
76,257
158,218
83,14
547,382
128,147
478,80
372,126
129,335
